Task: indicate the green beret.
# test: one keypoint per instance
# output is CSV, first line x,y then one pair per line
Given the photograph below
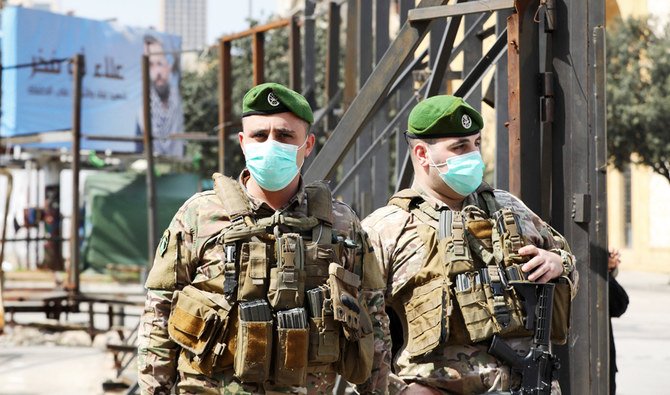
x,y
273,98
443,116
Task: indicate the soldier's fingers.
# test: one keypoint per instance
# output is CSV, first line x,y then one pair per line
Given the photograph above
x,y
532,264
546,277
528,250
540,271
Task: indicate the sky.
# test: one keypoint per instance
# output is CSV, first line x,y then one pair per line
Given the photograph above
x,y
224,16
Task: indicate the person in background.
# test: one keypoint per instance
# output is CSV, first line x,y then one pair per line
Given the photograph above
x,y
618,303
167,115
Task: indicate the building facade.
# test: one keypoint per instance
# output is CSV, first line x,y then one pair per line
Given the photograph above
x,y
638,210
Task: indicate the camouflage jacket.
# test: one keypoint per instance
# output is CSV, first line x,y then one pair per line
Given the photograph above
x,y
159,363
400,252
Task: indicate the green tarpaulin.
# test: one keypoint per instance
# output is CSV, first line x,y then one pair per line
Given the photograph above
x,y
115,227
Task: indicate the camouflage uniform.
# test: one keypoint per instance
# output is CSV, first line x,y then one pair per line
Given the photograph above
x,y
451,368
161,364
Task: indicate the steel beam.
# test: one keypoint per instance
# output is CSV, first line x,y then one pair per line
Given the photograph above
x,y
501,168
351,89
444,55
225,93
579,133
332,59
472,53
380,161
350,57
257,29
405,93
471,7
78,75
379,141
474,78
363,198
524,121
258,57
295,60
149,155
546,102
310,51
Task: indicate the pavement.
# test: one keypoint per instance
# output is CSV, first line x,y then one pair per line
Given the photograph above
x,y
57,370
641,335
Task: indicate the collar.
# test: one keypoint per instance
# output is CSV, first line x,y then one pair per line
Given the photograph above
x,y
256,204
439,205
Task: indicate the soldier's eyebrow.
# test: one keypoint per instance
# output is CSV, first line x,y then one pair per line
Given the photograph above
x,y
462,140
285,130
258,132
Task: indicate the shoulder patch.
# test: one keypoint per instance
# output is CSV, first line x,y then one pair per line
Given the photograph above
x,y
163,244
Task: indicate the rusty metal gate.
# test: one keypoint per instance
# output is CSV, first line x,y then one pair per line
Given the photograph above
x,y
547,57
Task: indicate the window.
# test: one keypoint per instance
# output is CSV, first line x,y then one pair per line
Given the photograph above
x,y
627,210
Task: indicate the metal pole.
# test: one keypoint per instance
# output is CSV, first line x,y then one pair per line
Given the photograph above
x,y
258,57
310,51
501,108
579,185
524,109
225,93
78,73
401,176
380,161
8,174
349,193
295,60
332,59
364,45
149,155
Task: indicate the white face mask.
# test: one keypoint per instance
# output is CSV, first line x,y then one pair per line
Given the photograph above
x,y
272,164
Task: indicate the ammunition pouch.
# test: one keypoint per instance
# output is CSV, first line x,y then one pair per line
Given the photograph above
x,y
287,280
324,331
253,271
426,309
560,318
356,360
291,348
457,252
487,306
254,344
475,310
198,324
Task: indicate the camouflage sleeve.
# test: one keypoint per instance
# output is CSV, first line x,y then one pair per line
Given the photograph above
x,y
373,290
548,238
373,294
157,353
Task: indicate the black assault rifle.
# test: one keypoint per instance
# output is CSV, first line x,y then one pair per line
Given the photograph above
x,y
539,367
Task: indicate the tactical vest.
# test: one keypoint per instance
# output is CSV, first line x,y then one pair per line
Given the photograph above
x,y
461,294
279,304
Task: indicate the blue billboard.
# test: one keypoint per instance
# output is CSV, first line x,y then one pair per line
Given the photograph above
x,y
37,81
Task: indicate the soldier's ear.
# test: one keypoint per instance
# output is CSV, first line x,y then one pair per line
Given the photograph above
x,y
309,144
420,152
240,138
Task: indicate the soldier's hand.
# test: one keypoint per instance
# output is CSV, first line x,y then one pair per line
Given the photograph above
x,y
543,266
